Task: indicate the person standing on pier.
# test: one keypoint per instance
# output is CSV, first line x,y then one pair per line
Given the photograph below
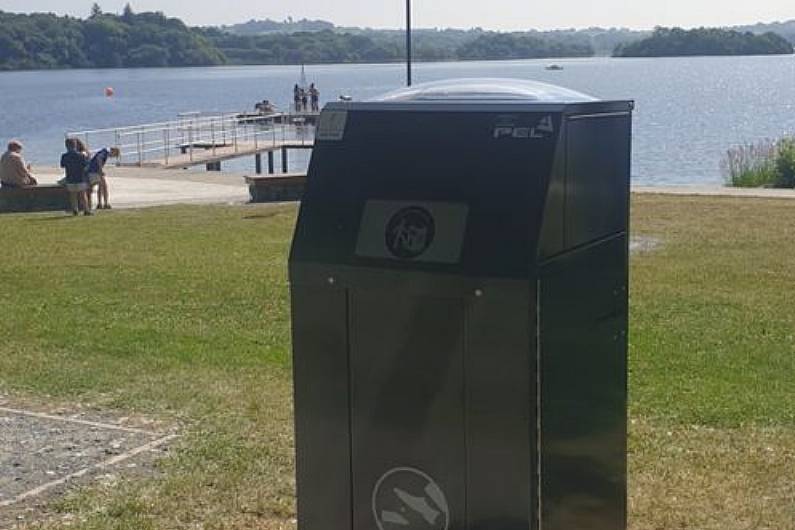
x,y
74,162
14,172
314,96
297,97
304,100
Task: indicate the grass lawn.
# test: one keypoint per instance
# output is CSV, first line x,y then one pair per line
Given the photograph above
x,y
181,314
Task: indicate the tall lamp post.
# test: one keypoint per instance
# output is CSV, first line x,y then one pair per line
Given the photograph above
x,y
408,42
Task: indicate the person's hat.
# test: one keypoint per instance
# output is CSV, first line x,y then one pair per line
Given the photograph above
x,y
15,145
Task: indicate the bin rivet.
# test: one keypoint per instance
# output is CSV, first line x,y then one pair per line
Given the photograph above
x,y
478,292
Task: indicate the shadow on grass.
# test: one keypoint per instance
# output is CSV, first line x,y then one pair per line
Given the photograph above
x,y
58,217
268,215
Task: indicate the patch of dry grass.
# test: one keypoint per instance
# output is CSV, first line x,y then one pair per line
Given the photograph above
x,y
704,478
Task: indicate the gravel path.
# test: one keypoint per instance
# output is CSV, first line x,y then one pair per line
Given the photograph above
x,y
42,456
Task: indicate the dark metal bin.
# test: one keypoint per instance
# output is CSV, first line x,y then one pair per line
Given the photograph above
x,y
459,301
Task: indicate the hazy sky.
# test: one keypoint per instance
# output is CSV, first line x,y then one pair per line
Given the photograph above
x,y
489,14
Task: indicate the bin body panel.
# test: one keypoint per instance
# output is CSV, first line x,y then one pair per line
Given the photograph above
x,y
428,396
597,177
322,407
407,362
583,324
501,409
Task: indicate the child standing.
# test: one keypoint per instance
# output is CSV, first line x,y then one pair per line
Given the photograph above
x,y
74,162
96,176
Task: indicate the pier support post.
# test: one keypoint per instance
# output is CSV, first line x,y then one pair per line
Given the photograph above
x,y
214,166
258,163
271,169
285,162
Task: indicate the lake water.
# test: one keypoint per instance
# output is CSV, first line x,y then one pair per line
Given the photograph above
x,y
689,110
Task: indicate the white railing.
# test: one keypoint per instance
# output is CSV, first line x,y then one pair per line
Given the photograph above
x,y
173,141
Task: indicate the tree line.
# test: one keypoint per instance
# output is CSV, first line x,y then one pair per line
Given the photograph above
x,y
129,39
103,40
676,42
332,47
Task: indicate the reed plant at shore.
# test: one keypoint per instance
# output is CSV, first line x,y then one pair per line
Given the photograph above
x,y
764,164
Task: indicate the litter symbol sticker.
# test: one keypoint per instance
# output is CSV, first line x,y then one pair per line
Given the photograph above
x,y
332,125
408,499
410,232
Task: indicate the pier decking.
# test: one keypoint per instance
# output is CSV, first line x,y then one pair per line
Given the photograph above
x,y
198,140
213,155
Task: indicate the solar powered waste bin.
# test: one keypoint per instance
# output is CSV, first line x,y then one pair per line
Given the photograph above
x,y
459,305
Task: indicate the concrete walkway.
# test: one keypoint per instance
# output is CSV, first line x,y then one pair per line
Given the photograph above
x,y
138,188
142,187
716,191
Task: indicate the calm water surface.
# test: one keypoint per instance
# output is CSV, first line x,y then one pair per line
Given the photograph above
x,y
689,110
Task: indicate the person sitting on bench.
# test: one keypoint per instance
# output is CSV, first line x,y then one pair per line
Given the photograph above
x,y
14,172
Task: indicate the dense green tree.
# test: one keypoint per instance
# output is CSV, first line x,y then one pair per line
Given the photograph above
x,y
667,42
101,41
148,55
520,46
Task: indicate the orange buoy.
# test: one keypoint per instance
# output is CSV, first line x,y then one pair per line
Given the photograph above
x,y
109,92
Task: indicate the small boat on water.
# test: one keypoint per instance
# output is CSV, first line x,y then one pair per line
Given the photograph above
x,y
554,67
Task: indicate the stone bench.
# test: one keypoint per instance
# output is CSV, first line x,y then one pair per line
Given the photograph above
x,y
43,198
283,187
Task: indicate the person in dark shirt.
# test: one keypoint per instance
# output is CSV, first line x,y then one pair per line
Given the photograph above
x,y
297,97
74,162
96,176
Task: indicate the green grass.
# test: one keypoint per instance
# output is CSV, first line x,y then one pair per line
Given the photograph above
x,y
181,314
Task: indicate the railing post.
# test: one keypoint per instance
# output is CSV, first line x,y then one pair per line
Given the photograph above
x,y
212,135
140,150
117,136
190,141
166,142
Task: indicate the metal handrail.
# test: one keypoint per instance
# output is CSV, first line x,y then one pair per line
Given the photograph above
x,y
140,142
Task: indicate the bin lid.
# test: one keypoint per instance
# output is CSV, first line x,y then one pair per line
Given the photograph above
x,y
485,90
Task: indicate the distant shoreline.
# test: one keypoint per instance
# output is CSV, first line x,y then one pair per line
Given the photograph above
x,y
378,63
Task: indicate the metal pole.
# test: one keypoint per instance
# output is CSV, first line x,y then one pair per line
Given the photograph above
x,y
408,42
212,136
167,141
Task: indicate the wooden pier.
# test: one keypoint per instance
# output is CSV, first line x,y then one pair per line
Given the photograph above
x,y
212,155
207,141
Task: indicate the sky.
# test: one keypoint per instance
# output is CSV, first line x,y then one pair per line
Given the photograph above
x,y
488,14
